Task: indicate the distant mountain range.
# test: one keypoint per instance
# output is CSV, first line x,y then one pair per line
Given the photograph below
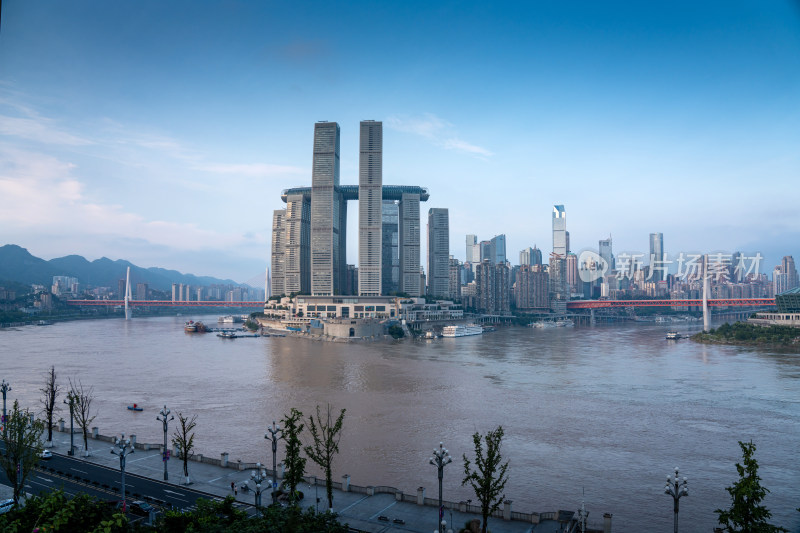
x,y
18,265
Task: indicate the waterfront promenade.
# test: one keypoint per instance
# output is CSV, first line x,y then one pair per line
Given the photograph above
x,y
368,509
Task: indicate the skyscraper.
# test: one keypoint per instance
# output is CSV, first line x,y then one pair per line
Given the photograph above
x,y
455,278
409,244
390,253
277,256
498,249
328,212
560,246
297,245
473,250
785,276
438,252
370,203
657,272
606,252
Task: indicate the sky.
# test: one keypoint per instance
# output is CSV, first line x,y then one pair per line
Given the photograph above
x,y
164,132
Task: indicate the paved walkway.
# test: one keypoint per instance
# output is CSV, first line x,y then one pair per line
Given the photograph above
x,y
360,511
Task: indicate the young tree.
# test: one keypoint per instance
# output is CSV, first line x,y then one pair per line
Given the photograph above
x,y
326,434
489,478
294,463
746,514
49,399
22,445
83,410
183,440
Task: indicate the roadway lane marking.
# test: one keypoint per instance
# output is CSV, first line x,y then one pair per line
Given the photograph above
x,y
352,504
381,511
45,479
173,492
81,471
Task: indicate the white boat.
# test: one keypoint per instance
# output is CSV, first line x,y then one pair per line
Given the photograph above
x,y
673,335
462,330
230,319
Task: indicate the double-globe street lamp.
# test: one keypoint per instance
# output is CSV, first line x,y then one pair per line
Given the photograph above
x,y
439,459
258,476
676,488
165,420
71,399
5,387
125,449
274,431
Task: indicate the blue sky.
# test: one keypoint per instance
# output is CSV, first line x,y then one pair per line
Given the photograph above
x,y
163,132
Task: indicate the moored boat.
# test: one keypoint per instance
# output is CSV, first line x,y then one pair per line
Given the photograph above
x,y
461,330
673,335
135,407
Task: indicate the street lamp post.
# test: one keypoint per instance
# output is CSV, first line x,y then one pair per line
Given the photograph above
x,y
258,476
5,387
125,449
274,431
71,402
676,488
440,458
164,420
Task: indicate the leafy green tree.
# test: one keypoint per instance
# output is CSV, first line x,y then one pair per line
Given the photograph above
x,y
746,514
183,440
54,511
488,478
326,434
22,444
49,399
295,464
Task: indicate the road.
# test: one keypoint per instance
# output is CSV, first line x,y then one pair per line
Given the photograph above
x,y
74,476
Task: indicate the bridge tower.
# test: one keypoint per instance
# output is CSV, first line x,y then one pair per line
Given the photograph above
x,y
706,316
127,294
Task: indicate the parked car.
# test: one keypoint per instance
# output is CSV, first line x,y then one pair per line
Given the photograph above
x,y
136,507
46,454
6,506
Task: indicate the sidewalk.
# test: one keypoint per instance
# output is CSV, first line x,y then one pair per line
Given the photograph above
x,y
369,509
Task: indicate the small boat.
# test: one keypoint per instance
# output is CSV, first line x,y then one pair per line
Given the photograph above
x,y
135,407
673,335
190,327
227,335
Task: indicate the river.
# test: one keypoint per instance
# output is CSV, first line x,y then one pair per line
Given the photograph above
x,y
598,413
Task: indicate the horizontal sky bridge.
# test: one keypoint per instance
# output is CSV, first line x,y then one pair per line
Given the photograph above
x,y
350,192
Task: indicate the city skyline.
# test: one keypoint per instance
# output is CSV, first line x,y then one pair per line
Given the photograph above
x,y
637,119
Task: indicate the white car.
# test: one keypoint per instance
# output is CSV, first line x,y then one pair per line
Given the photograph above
x,y
46,454
6,506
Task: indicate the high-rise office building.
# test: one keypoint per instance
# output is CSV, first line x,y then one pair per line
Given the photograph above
x,y
785,277
530,256
370,203
559,292
328,212
473,250
657,272
390,252
486,251
438,252
573,279
606,252
409,244
278,253
560,245
498,249
297,245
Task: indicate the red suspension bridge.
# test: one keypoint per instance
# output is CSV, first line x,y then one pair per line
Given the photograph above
x,y
577,304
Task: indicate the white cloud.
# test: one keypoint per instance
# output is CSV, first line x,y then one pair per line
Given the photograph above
x,y
42,196
252,169
38,129
436,130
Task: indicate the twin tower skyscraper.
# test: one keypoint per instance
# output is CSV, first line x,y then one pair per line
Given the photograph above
x,y
309,237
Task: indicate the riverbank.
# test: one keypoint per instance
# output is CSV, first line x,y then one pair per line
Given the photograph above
x,y
783,338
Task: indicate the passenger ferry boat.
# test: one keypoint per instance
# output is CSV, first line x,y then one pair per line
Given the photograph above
x,y
673,335
462,330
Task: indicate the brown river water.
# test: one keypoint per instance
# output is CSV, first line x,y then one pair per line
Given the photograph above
x,y
605,411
